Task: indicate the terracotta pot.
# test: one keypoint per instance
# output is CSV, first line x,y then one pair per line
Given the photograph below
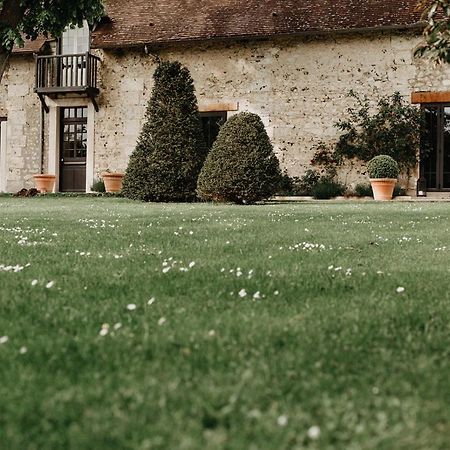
x,y
44,182
383,188
113,181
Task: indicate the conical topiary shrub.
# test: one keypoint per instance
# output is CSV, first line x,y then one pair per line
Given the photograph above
x,y
170,150
241,166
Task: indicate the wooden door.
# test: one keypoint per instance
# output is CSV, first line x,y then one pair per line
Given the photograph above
x,y
73,150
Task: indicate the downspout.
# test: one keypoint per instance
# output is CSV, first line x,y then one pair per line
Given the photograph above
x,y
42,139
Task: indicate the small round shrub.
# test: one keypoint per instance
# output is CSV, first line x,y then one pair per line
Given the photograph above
x,y
98,186
363,190
241,166
326,188
398,191
286,185
383,166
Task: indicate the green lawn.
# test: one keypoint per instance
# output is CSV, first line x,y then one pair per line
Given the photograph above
x,y
272,327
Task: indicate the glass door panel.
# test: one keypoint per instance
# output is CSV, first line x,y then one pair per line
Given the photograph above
x,y
430,145
446,148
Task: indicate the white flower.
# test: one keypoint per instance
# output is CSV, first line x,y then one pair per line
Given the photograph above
x,y
314,432
104,330
211,333
49,284
4,339
117,326
242,293
23,350
256,295
34,282
131,307
151,301
275,293
166,269
161,321
282,421
400,289
191,264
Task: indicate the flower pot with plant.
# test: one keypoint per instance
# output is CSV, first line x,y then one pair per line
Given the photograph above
x,y
44,182
383,173
113,181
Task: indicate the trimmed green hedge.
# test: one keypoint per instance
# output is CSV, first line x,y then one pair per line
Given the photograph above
x,y
171,150
241,167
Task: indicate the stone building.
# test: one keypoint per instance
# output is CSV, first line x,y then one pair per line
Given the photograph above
x,y
75,107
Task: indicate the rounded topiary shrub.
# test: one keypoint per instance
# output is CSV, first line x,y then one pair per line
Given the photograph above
x,y
383,166
241,166
327,188
170,150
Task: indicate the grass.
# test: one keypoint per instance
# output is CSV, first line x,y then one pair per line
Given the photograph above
x,y
203,367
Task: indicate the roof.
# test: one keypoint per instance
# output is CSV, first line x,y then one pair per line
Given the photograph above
x,y
156,22
31,46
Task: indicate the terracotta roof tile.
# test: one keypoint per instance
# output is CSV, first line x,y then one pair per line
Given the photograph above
x,y
165,21
31,46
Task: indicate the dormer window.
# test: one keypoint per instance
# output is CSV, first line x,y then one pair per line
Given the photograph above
x,y
75,40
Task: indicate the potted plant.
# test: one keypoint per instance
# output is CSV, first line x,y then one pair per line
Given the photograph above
x,y
44,182
383,172
112,180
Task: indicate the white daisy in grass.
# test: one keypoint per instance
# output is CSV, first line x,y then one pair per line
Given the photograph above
x,y
151,301
166,269
242,293
34,282
162,321
282,420
23,350
257,295
50,284
313,432
400,289
131,306
104,330
4,339
191,264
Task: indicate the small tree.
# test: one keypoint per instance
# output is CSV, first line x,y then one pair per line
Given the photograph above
x,y
171,150
241,166
437,30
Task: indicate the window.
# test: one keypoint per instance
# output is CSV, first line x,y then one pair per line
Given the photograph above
x,y
75,40
211,122
435,167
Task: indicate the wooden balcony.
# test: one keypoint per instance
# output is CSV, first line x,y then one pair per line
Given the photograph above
x,y
67,74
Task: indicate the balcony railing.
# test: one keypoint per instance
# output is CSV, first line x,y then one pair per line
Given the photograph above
x,y
66,73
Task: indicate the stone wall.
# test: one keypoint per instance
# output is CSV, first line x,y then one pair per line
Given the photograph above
x,y
298,86
22,108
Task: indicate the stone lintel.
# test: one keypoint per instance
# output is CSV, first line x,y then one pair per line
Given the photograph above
x,y
218,106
